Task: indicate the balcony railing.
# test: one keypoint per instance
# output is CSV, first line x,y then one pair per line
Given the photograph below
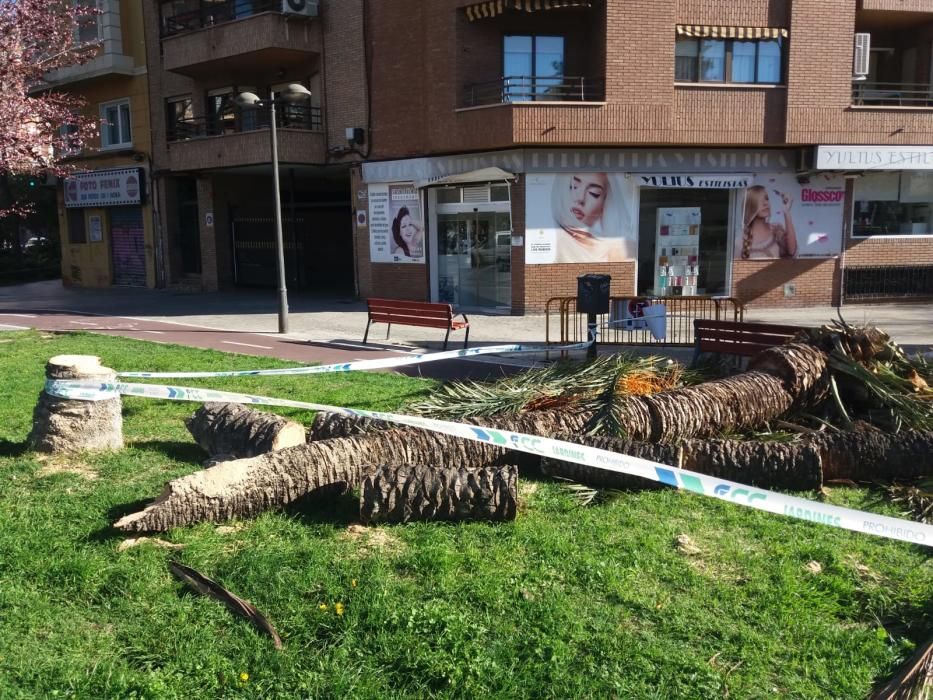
x,y
524,88
209,14
290,117
892,94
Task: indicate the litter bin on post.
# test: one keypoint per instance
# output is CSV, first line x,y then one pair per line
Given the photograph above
x,y
592,299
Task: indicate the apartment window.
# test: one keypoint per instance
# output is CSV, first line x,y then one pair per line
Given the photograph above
x,y
87,30
729,60
221,110
77,232
179,117
69,143
115,129
533,66
894,204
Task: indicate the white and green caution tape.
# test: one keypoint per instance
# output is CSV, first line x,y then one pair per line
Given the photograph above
x,y
382,363
759,499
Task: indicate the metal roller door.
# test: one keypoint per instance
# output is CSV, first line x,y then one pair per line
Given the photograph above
x,y
128,245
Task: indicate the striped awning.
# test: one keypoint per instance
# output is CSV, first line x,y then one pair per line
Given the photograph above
x,y
494,8
711,32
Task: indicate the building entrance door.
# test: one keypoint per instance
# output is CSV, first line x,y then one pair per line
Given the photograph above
x,y
128,246
474,259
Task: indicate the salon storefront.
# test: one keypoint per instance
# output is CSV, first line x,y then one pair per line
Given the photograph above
x,y
888,251
506,231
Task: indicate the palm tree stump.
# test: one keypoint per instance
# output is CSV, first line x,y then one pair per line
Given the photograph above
x,y
235,430
403,493
68,426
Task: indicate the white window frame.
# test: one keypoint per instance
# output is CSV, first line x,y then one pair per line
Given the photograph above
x,y
103,118
97,18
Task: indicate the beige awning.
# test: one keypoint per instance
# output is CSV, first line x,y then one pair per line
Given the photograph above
x,y
713,32
494,8
473,176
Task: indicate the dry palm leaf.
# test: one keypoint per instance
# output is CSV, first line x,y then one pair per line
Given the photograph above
x,y
205,586
914,681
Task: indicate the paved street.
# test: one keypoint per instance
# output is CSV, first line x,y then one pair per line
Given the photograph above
x,y
329,330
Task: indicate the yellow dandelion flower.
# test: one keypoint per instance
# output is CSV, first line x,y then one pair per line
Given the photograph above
x,y
244,677
353,583
339,608
322,606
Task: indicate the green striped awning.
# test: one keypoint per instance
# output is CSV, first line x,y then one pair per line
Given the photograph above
x,y
713,32
494,8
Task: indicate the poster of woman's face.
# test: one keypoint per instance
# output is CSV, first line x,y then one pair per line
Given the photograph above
x,y
580,217
784,218
396,228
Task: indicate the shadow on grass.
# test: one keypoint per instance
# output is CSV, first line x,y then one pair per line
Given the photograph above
x,y
328,505
188,452
108,532
13,449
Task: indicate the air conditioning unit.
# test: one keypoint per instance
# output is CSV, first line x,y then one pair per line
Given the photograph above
x,y
305,8
860,66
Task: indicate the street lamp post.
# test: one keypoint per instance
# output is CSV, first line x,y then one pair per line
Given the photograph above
x,y
292,94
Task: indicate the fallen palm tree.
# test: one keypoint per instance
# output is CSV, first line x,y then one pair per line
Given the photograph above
x,y
779,379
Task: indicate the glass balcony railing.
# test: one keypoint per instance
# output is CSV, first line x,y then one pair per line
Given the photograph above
x,y
207,13
871,93
524,88
290,117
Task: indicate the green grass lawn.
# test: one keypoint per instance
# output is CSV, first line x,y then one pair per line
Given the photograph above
x,y
565,602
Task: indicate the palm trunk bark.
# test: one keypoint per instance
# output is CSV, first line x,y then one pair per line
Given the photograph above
x,y
403,493
246,487
791,466
237,431
876,456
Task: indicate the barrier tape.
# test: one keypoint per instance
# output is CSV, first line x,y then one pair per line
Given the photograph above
x,y
759,499
359,365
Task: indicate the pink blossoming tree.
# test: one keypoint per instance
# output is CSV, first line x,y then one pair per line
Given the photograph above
x,y
38,125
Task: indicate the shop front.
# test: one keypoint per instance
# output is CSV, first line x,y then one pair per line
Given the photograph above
x,y
889,249
661,222
107,229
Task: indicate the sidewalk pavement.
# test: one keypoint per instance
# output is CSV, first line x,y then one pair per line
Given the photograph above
x,y
342,320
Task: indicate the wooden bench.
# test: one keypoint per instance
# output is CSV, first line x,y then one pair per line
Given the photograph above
x,y
415,313
738,338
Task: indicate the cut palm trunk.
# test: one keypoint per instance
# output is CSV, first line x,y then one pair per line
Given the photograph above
x,y
876,456
403,493
327,426
246,487
66,425
235,430
793,466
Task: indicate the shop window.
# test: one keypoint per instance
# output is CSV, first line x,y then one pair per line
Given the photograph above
x,y
115,129
77,231
758,61
448,195
533,67
894,204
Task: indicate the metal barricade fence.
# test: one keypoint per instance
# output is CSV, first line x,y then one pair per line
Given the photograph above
x,y
564,325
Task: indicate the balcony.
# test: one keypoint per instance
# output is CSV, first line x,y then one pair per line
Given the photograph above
x,y
236,36
239,140
524,88
875,94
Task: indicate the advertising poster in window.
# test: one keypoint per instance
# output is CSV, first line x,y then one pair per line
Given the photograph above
x,y
784,218
580,217
396,228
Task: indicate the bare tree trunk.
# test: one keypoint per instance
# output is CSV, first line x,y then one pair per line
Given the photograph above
x,y
876,456
235,430
65,425
793,466
327,426
403,493
246,487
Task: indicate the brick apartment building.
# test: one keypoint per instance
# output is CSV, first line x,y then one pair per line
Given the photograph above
x,y
106,217
487,153
655,141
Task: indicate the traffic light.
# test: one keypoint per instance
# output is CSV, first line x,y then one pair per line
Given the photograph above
x,y
33,181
